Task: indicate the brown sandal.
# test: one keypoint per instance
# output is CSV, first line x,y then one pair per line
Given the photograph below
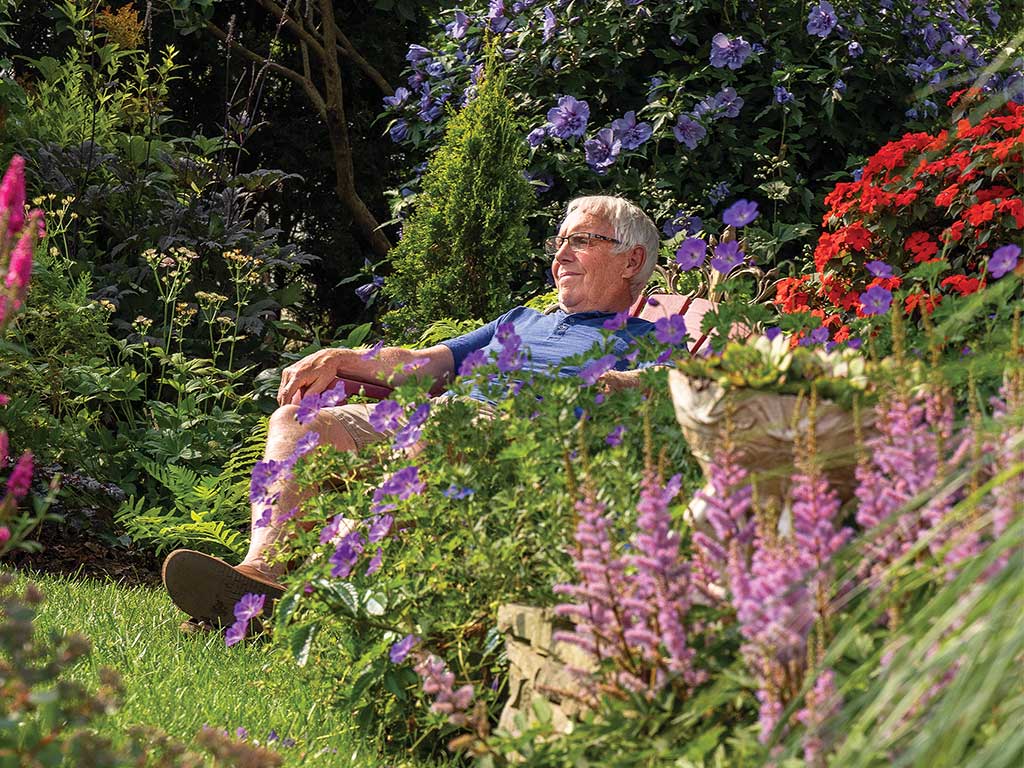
x,y
207,588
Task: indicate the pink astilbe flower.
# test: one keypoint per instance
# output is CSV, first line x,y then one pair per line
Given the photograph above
x,y
775,610
631,611
12,195
822,703
440,683
727,509
21,478
595,609
815,510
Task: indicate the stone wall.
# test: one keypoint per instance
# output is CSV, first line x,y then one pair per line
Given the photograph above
x,y
537,666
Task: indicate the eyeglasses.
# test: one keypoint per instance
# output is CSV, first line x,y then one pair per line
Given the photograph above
x,y
578,241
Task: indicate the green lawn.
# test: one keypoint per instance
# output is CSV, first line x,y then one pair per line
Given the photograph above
x,y
180,682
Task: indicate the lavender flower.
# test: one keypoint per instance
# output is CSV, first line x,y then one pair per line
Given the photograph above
x,y
822,19
728,53
691,253
569,118
727,257
688,131
631,133
670,330
595,369
602,150
401,648
740,214
875,301
1003,260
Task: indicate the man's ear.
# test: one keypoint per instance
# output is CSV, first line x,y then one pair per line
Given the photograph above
x,y
634,261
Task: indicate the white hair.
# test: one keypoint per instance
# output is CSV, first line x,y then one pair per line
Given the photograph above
x,y
632,227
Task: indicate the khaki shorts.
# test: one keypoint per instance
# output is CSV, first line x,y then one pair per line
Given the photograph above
x,y
354,418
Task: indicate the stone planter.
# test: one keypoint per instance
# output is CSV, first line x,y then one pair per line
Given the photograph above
x,y
765,428
538,666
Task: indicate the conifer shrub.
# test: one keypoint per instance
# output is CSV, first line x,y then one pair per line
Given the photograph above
x,y
467,238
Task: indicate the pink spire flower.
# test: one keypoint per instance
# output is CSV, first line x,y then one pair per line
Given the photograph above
x,y
12,195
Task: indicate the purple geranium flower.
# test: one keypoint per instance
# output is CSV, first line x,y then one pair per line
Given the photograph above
x,y
617,321
822,19
550,23
249,607
772,333
380,526
631,133
879,268
457,492
346,554
688,131
375,562
511,356
401,648
385,416
691,253
614,437
235,633
474,359
569,118
306,443
670,330
595,369
1003,260
740,213
602,150
728,53
727,257
875,301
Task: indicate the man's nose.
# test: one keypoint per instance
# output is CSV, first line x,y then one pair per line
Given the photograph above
x,y
564,252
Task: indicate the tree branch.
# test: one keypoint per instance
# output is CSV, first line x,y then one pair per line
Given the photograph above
x,y
273,66
356,58
297,28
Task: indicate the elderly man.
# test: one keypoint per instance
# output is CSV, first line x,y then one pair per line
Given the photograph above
x,y
603,256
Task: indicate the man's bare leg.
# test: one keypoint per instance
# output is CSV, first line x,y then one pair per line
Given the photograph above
x,y
284,433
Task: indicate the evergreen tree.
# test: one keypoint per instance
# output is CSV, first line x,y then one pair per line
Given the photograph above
x,y
461,248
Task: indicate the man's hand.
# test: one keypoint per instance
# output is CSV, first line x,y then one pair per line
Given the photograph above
x,y
314,373
614,381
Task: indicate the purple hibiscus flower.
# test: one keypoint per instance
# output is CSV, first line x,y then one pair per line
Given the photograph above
x,y
729,53
822,19
399,131
602,150
691,253
854,49
536,137
670,330
631,133
1003,260
569,118
688,131
782,96
727,257
740,213
417,53
496,15
875,301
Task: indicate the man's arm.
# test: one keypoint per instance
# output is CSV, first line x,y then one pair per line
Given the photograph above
x,y
319,371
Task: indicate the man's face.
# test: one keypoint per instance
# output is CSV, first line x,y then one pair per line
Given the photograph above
x,y
594,278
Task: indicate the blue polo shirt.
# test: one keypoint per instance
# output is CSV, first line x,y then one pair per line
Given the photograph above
x,y
551,338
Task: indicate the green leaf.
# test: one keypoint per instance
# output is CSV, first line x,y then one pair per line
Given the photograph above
x,y
302,642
